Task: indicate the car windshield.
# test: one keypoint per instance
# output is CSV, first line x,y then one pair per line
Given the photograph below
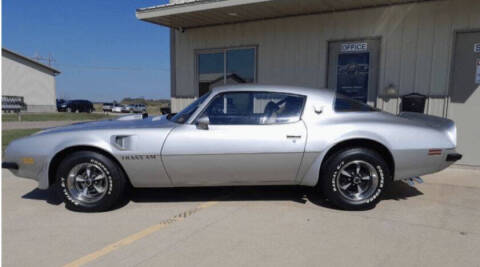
x,y
185,114
347,104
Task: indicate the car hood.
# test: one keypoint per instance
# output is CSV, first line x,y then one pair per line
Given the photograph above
x,y
127,122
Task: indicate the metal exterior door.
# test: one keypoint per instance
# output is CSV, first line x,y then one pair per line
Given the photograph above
x,y
353,68
464,94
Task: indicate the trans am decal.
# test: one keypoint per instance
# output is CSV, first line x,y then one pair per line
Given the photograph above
x,y
141,157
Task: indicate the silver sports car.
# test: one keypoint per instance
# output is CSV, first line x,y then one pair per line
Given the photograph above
x,y
240,135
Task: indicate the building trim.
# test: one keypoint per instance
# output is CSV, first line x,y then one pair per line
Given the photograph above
x,y
192,6
149,14
173,64
48,68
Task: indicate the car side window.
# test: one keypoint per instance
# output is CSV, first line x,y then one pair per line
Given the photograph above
x,y
279,107
255,108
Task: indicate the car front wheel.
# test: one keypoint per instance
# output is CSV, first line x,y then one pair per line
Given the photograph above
x,y
90,182
355,179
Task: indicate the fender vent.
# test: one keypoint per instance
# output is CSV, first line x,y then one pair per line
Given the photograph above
x,y
122,142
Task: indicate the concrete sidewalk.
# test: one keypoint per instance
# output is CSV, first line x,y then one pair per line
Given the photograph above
x,y
434,224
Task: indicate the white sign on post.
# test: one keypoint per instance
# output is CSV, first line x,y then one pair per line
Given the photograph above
x,y
477,72
476,48
354,47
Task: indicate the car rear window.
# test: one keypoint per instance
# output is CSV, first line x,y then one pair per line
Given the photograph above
x,y
346,104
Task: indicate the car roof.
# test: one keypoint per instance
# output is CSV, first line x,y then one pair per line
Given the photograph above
x,y
319,92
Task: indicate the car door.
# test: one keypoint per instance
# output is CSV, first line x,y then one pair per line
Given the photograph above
x,y
252,138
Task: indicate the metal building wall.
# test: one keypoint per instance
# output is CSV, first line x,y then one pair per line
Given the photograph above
x,y
36,85
415,55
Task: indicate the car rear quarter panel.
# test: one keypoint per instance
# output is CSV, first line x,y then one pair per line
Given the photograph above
x,y
407,142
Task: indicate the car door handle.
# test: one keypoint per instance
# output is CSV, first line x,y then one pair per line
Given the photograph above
x,y
293,136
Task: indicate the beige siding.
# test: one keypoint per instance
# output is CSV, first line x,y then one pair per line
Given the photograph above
x,y
177,104
415,52
21,78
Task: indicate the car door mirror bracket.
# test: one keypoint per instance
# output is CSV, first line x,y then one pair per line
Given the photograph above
x,y
202,123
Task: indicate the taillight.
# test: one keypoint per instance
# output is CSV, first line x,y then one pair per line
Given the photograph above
x,y
434,152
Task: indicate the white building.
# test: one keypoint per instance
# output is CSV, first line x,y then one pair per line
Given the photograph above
x,y
374,50
34,81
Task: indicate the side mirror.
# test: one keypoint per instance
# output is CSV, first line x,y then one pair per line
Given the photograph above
x,y
202,123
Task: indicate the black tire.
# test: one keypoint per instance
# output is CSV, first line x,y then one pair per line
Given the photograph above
x,y
69,110
340,189
113,184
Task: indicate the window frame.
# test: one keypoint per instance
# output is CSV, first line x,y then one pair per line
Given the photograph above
x,y
212,98
223,50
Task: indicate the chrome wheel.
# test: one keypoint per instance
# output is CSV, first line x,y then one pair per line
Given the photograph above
x,y
357,180
87,183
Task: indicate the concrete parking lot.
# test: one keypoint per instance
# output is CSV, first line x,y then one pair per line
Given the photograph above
x,y
434,224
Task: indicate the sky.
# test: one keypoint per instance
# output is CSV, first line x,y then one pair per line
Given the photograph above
x,y
103,51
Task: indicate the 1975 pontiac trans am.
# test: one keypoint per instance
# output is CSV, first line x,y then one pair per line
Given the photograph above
x,y
240,135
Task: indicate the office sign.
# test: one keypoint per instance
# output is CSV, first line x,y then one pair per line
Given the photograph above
x,y
352,75
476,48
354,47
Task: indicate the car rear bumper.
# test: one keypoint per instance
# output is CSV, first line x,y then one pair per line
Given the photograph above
x,y
417,162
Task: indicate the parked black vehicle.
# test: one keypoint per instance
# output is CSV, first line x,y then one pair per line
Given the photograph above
x,y
77,106
60,102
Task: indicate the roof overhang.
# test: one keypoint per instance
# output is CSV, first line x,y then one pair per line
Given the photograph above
x,y
17,55
201,13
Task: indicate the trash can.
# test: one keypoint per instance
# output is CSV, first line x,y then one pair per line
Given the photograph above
x,y
413,103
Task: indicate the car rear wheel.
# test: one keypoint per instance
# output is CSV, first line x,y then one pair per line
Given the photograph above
x,y
90,182
355,179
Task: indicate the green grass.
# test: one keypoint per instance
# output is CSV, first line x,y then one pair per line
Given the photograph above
x,y
9,135
60,116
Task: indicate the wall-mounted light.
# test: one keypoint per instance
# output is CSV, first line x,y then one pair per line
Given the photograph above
x,y
391,90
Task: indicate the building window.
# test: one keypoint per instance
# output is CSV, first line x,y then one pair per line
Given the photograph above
x,y
225,66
